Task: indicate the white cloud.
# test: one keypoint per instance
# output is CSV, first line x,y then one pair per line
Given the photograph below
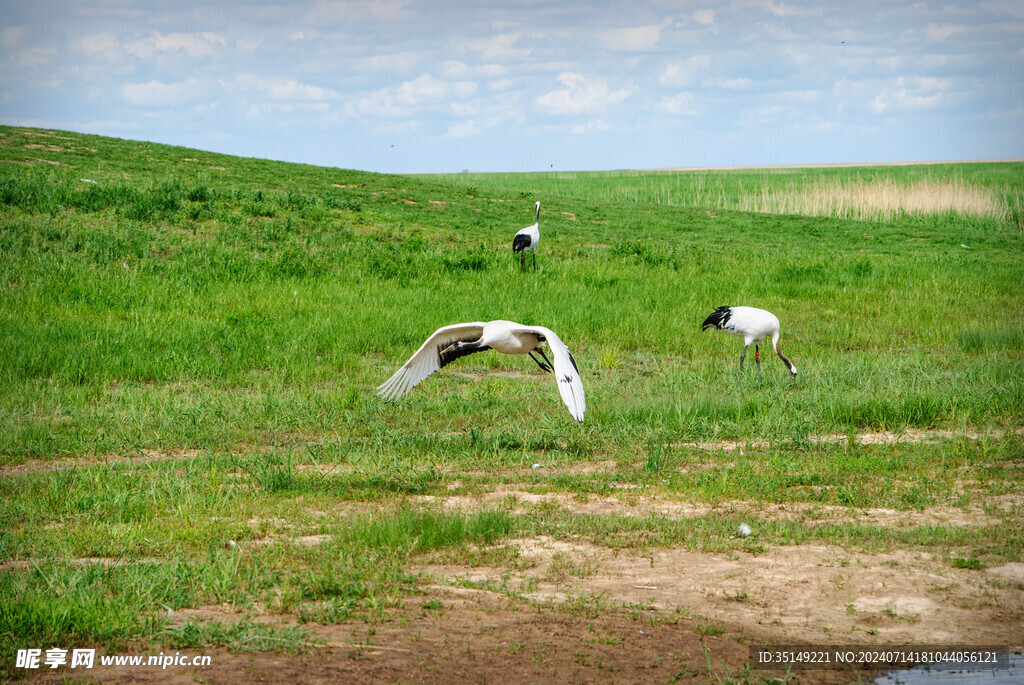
x,y
678,105
337,11
591,126
461,71
407,98
248,45
704,17
780,10
800,96
422,90
205,44
800,55
30,58
581,95
499,48
158,94
784,10
1012,7
940,32
427,90
95,43
271,108
682,74
913,92
10,36
732,83
397,62
290,89
634,39
932,61
770,111
282,89
463,129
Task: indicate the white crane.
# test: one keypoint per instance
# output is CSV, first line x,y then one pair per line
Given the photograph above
x,y
753,325
448,343
526,241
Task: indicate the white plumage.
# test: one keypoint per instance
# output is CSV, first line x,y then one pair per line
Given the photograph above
x,y
753,325
448,343
526,241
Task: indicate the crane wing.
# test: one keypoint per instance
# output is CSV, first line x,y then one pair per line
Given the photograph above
x,y
570,385
427,359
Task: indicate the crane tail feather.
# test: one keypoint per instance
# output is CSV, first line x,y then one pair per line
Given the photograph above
x,y
520,242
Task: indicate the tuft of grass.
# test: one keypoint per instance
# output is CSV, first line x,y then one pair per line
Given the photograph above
x,y
243,635
971,564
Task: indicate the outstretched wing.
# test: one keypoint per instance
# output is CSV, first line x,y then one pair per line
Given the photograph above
x,y
570,385
428,359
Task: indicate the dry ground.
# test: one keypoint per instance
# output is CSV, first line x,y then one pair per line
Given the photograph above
x,y
573,611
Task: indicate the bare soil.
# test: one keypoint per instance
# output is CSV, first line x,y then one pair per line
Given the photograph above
x,y
458,635
575,612
581,613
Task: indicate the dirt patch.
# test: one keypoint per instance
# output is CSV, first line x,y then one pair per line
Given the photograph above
x,y
520,501
582,613
588,467
574,611
909,436
81,561
803,593
458,635
37,465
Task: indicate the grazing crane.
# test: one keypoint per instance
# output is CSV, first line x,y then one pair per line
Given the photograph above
x,y
526,241
753,325
448,343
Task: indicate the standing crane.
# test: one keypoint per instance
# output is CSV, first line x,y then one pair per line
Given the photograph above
x,y
526,241
753,325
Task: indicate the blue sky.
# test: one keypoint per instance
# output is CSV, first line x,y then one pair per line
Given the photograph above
x,y
424,85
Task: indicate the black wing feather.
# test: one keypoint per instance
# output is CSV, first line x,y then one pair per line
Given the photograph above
x,y
717,318
520,242
451,353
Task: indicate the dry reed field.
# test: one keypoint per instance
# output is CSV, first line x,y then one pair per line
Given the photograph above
x,y
884,200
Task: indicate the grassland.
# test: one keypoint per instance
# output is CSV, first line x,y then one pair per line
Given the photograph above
x,y
190,342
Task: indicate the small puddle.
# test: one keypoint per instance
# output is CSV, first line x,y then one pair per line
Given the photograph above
x,y
990,676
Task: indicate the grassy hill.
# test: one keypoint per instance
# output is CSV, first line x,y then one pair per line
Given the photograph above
x,y
194,340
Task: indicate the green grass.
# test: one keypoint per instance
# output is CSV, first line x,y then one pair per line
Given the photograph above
x,y
194,341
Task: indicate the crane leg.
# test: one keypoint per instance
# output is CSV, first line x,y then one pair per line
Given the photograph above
x,y
522,266
743,356
544,367
757,358
534,260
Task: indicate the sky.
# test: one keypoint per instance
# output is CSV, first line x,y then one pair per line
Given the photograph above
x,y
420,86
